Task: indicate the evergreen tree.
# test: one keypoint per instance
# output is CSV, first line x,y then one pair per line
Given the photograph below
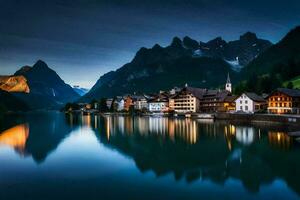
x,y
290,85
102,105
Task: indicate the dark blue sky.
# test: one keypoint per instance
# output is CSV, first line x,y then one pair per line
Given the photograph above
x,y
82,39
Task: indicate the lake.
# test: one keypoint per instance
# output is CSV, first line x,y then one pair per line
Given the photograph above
x,y
50,155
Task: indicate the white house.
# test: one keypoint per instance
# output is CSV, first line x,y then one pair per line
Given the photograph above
x,y
250,103
119,102
159,104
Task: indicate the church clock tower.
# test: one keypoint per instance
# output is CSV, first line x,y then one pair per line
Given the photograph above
x,y
228,85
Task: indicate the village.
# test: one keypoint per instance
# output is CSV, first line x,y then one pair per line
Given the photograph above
x,y
202,103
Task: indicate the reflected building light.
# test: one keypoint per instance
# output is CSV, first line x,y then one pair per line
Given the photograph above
x,y
280,139
171,126
121,124
229,145
15,137
107,128
128,125
141,126
96,121
194,132
86,120
232,129
245,135
230,133
158,125
186,130
71,119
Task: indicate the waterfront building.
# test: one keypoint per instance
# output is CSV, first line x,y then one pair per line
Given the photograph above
x,y
109,102
140,102
159,104
187,100
118,103
216,101
284,101
250,103
229,103
128,102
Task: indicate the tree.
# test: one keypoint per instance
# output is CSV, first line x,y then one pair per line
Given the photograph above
x,y
113,106
68,107
93,104
102,105
290,85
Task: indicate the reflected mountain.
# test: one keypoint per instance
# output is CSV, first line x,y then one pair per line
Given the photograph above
x,y
38,137
15,137
196,150
190,150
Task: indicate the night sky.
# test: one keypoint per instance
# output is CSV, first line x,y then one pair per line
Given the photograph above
x,y
82,39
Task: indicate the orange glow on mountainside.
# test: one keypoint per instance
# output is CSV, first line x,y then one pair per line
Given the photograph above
x,y
14,84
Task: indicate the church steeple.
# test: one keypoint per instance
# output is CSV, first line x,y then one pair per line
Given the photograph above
x,y
228,85
228,79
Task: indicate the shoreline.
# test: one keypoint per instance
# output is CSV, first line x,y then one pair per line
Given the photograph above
x,y
249,118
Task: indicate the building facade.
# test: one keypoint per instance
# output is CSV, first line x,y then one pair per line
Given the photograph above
x,y
190,100
118,103
284,101
109,103
215,101
159,104
128,102
140,102
187,100
250,103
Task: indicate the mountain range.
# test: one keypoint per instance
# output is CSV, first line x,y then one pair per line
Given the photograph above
x,y
254,65
274,67
184,61
46,90
79,90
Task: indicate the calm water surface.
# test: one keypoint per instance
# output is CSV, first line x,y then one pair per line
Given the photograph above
x,y
57,156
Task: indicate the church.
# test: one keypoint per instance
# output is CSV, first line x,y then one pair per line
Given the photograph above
x,y
191,99
218,100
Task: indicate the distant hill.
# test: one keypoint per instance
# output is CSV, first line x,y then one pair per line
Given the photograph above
x,y
183,61
47,89
276,65
79,90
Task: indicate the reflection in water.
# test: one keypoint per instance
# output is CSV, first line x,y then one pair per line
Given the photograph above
x,y
193,149
280,139
15,137
245,135
176,129
46,132
187,149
